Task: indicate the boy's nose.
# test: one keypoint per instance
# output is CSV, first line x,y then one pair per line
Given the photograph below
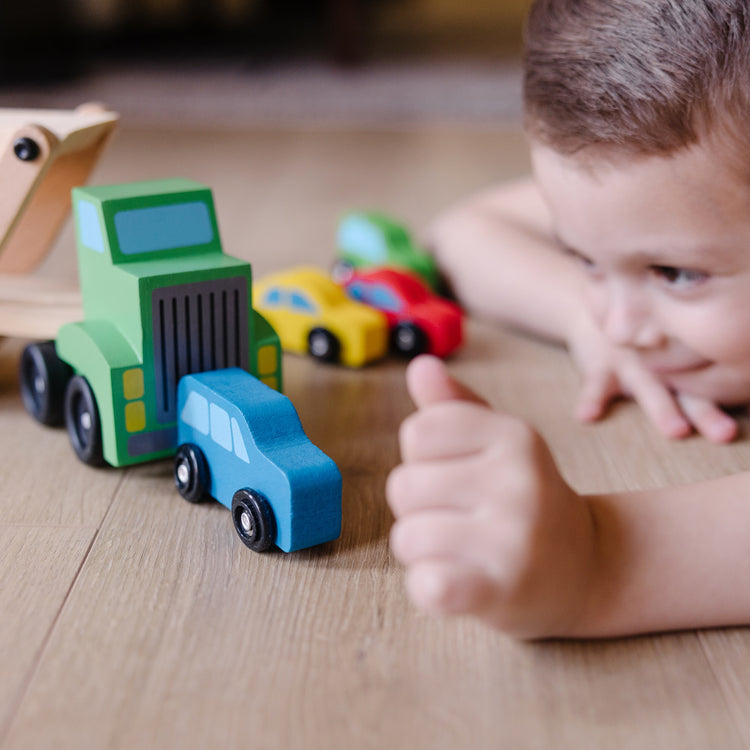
x,y
628,320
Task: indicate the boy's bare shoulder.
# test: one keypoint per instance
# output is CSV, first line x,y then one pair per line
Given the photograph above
x,y
519,197
516,202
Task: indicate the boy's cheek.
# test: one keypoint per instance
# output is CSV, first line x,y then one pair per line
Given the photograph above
x,y
717,330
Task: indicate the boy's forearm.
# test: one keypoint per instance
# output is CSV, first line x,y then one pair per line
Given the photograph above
x,y
498,254
670,559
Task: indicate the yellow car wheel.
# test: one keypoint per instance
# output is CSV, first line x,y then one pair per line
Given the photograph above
x,y
323,345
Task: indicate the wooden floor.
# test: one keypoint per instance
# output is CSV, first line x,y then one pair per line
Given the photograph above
x,y
132,619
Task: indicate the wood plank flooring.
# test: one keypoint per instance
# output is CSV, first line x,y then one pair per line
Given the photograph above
x,y
132,619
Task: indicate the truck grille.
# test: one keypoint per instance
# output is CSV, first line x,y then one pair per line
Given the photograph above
x,y
197,327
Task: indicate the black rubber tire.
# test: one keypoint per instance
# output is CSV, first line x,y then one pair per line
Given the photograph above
x,y
82,421
408,340
191,474
323,345
43,377
253,520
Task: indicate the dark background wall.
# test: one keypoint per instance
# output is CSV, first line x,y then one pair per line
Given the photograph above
x,y
48,39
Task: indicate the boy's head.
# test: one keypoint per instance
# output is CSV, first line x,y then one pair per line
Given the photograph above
x,y
637,112
637,77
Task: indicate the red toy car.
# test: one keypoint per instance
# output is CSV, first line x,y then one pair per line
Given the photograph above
x,y
419,320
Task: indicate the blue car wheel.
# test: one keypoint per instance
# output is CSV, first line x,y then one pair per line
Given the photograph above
x,y
253,520
191,475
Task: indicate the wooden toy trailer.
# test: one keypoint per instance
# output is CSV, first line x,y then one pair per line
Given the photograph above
x,y
43,155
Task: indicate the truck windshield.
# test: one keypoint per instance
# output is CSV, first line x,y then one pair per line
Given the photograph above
x,y
147,230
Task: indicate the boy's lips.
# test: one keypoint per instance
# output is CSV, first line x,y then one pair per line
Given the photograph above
x,y
676,366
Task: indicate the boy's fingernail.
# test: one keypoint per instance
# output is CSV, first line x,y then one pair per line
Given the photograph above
x,y
679,428
587,412
724,431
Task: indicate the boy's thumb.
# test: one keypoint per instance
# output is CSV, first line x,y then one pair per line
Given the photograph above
x,y
428,382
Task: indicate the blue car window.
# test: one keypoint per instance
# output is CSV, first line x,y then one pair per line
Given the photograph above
x,y
146,230
272,297
300,303
195,412
384,299
240,450
221,432
89,226
358,237
356,290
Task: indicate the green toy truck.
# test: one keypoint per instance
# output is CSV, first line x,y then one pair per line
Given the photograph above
x,y
161,300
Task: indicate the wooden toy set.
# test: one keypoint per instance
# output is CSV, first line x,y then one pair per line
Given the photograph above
x,y
170,349
379,297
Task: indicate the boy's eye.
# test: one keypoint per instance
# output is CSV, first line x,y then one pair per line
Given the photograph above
x,y
679,278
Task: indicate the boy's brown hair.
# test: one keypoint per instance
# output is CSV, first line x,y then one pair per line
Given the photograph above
x,y
644,77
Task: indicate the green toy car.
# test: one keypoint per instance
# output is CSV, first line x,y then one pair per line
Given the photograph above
x,y
370,239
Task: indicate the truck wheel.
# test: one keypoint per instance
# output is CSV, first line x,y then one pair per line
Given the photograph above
x,y
191,475
43,377
323,345
253,520
408,340
82,421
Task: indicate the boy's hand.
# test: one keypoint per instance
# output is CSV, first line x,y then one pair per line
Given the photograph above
x,y
610,372
485,523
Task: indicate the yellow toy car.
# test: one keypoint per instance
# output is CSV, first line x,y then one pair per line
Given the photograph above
x,y
313,315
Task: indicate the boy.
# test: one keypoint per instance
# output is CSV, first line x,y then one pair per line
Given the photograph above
x,y
632,248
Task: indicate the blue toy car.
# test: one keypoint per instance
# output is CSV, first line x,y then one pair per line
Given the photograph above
x,y
242,443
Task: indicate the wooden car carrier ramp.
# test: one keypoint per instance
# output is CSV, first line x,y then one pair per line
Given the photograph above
x,y
44,153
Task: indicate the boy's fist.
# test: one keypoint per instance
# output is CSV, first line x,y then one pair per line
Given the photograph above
x,y
485,524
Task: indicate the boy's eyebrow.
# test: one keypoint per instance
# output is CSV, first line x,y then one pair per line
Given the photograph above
x,y
694,254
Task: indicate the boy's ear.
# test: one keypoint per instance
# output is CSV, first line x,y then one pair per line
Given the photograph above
x,y
428,382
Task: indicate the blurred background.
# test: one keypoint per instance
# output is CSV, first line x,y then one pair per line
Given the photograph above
x,y
241,62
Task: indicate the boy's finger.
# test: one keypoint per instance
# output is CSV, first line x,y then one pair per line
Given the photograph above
x,y
455,428
660,405
500,476
434,534
596,393
432,485
428,382
711,421
449,587
450,535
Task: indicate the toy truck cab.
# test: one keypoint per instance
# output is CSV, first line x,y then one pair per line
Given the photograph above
x,y
242,443
160,300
